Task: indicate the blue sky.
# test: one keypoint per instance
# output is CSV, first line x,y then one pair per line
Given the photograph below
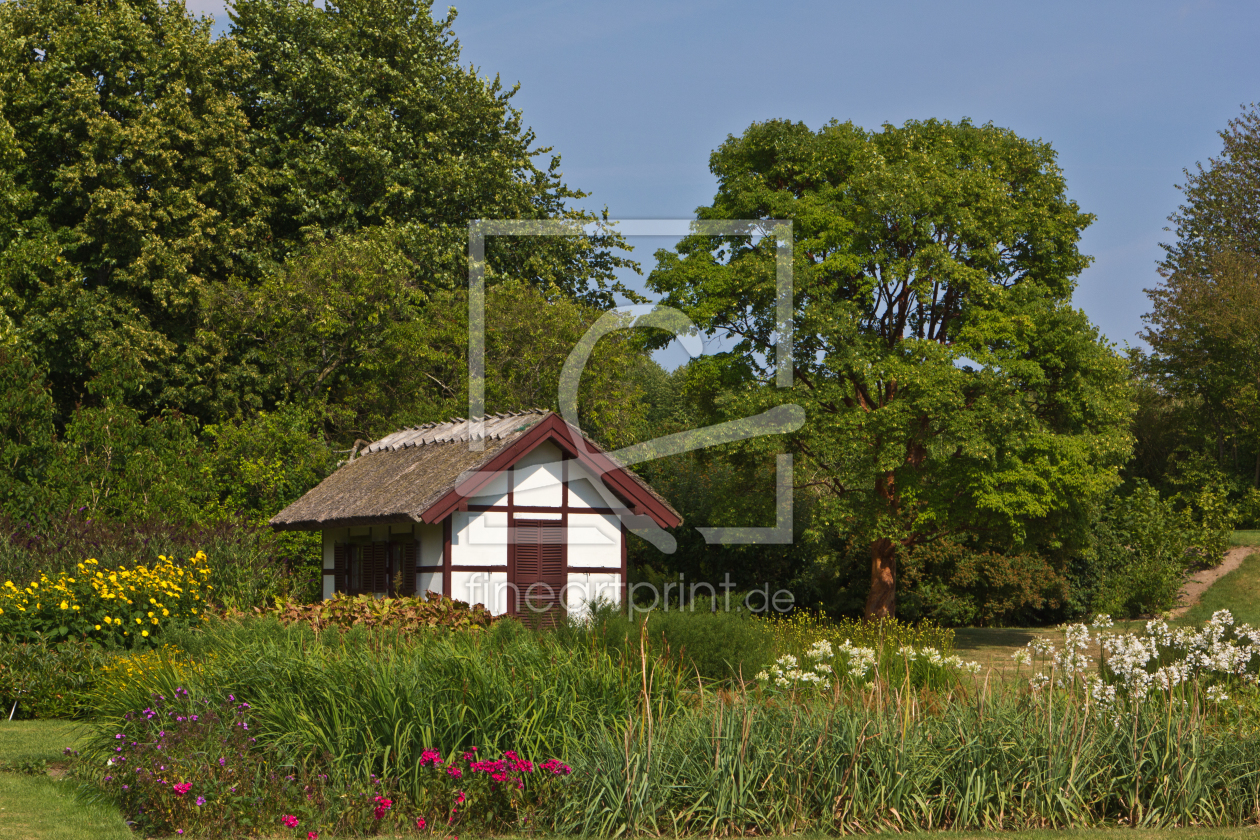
x,y
634,96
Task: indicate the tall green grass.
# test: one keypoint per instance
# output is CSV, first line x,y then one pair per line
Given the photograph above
x,y
362,703
907,761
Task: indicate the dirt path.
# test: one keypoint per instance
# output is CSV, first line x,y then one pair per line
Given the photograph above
x,y
1200,581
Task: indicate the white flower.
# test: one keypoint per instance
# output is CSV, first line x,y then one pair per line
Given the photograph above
x,y
1217,694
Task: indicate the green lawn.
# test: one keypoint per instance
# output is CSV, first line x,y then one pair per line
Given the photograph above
x,y
1238,592
48,807
1245,538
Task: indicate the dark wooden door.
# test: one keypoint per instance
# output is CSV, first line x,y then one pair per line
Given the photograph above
x,y
540,572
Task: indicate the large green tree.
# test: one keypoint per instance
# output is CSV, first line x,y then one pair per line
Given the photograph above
x,y
951,390
1203,325
127,188
148,168
364,116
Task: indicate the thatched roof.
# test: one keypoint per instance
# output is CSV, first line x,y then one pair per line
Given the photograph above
x,y
403,475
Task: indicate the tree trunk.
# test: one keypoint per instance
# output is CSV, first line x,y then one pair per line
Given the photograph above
x,y
882,602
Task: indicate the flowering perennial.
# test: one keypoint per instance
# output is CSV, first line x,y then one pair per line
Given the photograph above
x,y
848,662
116,607
1159,658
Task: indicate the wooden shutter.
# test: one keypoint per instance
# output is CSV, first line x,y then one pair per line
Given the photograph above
x,y
376,568
540,571
341,569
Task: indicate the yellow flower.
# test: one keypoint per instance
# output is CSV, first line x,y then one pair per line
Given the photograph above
x,y
98,627
64,605
144,633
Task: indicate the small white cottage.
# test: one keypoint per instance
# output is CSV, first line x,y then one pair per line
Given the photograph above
x,y
531,523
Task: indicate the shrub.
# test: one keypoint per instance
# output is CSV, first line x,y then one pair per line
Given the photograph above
x,y
249,566
717,645
405,614
43,680
116,608
957,586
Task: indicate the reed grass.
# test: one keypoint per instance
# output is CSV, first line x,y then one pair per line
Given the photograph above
x,y
897,761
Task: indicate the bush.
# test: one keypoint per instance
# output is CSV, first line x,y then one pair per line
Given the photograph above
x,y
430,612
115,607
716,644
956,586
43,680
1145,544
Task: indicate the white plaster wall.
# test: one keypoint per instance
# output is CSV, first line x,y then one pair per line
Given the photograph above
x,y
426,581
489,588
479,539
494,493
537,477
430,539
587,491
585,588
594,540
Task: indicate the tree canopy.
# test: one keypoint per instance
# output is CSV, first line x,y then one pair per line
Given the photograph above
x,y
149,167
1203,324
951,390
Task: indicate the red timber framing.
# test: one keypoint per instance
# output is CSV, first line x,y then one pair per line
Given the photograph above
x,y
513,512
626,489
636,498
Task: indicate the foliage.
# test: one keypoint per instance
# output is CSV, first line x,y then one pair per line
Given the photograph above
x,y
960,587
26,431
248,566
133,187
364,117
113,607
1147,543
407,615
150,168
699,639
40,679
949,387
1205,347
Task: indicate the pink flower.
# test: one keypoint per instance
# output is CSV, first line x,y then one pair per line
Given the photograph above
x,y
556,767
459,797
312,835
382,807
289,820
420,823
180,790
454,771
430,757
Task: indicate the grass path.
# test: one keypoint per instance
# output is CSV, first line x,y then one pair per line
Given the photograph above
x,y
48,806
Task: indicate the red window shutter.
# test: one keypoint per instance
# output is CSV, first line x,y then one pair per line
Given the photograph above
x,y
540,571
341,582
